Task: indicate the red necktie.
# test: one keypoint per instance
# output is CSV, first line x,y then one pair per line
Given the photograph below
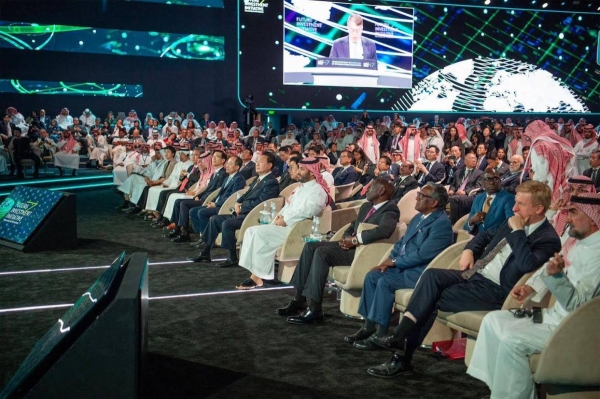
x,y
187,178
371,212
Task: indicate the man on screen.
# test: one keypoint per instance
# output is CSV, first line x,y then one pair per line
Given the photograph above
x,y
354,45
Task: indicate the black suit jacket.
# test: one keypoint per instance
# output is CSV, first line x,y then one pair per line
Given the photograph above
x,y
452,172
215,182
285,180
259,191
386,219
588,173
341,176
503,169
248,170
193,177
436,174
472,183
528,252
410,183
4,129
510,182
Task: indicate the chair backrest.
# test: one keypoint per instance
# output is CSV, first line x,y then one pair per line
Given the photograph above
x,y
230,202
253,216
250,180
350,204
510,302
286,192
406,205
460,223
342,192
211,197
340,218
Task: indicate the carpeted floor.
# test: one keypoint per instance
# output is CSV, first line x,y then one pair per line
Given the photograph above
x,y
222,344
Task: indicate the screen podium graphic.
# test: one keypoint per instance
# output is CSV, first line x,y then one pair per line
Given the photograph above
x,y
33,219
97,349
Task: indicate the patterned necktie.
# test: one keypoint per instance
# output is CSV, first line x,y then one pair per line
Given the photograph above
x,y
465,180
483,262
487,204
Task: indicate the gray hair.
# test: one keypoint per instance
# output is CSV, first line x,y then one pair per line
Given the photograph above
x,y
439,194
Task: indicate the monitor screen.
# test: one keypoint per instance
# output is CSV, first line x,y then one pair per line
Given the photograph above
x,y
67,329
23,211
354,45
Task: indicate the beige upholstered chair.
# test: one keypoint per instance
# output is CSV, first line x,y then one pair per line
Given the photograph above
x,y
342,192
211,197
252,219
568,367
461,233
230,202
289,253
406,205
351,204
445,260
351,278
342,217
286,192
355,190
250,180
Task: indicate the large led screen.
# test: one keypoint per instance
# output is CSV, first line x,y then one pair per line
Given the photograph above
x,y
339,44
464,59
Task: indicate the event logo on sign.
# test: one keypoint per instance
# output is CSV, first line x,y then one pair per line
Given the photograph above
x,y
6,206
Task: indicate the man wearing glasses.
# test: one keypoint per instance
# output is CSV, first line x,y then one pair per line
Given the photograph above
x,y
492,207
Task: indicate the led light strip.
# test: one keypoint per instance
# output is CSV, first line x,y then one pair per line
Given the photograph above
x,y
199,294
68,269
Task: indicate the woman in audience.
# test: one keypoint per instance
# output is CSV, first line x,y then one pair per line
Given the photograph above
x,y
489,142
191,127
501,155
452,139
161,119
105,130
136,125
110,118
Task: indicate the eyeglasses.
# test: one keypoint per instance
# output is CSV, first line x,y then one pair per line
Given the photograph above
x,y
490,179
420,196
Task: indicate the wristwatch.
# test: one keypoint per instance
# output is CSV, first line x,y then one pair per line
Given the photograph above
x,y
393,260
354,241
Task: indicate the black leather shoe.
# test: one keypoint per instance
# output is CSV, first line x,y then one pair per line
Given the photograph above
x,y
292,309
133,211
124,205
199,259
392,368
388,342
200,241
306,317
182,238
361,334
227,263
366,344
173,234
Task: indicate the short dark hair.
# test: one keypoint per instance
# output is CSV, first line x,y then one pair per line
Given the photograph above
x,y
439,194
330,146
295,153
435,147
270,158
238,161
492,155
171,148
248,149
387,160
16,129
223,155
285,148
319,148
295,159
526,148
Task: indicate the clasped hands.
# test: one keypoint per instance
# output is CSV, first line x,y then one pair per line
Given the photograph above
x,y
346,243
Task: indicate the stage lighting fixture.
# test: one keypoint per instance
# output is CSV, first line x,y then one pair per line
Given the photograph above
x,y
544,5
486,2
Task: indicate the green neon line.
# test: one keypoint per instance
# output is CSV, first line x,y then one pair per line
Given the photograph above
x,y
478,33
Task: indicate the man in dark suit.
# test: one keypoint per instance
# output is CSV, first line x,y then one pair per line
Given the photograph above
x,y
181,208
428,234
6,130
496,164
504,254
310,275
262,189
454,164
393,142
432,170
512,179
490,208
289,177
594,171
405,182
344,174
467,180
200,216
247,169
354,45
20,148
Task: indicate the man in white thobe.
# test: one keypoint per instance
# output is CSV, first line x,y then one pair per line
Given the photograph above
x,y
505,343
261,242
583,149
171,183
153,172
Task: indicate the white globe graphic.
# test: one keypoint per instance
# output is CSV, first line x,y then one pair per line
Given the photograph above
x,y
491,85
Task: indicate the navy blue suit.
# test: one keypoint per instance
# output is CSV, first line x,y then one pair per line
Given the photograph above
x,y
201,215
423,241
259,191
499,212
448,291
342,177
